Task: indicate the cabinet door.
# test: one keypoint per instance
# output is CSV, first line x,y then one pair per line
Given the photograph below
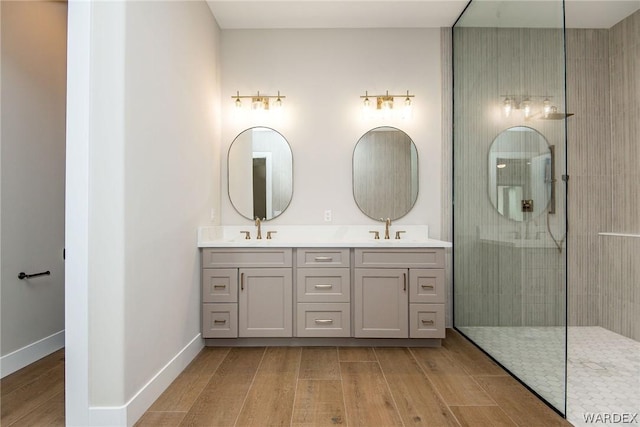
x,y
381,303
265,302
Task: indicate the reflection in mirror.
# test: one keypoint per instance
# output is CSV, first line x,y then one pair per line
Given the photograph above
x,y
520,173
260,173
385,173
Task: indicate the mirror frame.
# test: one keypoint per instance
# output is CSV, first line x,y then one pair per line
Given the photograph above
x,y
229,172
353,178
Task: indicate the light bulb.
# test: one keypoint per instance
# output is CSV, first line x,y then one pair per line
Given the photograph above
x,y
278,102
526,107
407,110
507,107
238,103
546,107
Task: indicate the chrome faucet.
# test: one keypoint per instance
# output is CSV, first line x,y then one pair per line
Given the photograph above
x,y
387,224
259,229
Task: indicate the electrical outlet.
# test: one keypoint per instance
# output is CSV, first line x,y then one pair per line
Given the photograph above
x,y
327,215
213,214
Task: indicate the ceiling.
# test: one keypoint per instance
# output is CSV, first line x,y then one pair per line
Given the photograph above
x,y
269,14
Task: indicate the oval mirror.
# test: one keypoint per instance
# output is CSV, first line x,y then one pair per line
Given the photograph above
x,y
520,173
260,173
385,173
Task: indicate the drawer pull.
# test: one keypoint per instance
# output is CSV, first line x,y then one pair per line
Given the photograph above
x,y
323,258
427,322
427,286
242,281
323,286
324,321
220,321
219,286
404,276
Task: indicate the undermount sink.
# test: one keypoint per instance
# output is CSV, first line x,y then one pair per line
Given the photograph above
x,y
317,236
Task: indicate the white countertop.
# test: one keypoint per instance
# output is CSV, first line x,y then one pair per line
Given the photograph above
x,y
312,236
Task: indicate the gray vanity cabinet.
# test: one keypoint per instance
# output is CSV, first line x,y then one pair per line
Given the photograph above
x,y
326,293
247,292
399,293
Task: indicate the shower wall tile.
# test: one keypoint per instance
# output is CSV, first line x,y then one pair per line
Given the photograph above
x,y
502,285
620,281
589,166
620,256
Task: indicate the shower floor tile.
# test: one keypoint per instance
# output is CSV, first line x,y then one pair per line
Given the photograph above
x,y
603,368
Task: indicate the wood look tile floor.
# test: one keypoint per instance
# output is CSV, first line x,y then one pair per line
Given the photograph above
x,y
454,385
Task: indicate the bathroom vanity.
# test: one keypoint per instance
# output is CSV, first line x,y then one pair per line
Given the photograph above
x,y
322,282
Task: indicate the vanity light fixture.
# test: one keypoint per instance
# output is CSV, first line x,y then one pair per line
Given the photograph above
x,y
385,102
259,102
528,104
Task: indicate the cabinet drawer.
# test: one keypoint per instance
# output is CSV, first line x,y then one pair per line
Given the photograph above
x,y
323,320
236,258
400,258
426,321
323,284
220,285
219,320
323,257
426,285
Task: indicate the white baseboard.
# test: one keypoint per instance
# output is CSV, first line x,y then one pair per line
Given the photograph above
x,y
128,414
33,352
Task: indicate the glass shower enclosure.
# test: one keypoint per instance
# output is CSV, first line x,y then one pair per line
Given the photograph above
x,y
509,189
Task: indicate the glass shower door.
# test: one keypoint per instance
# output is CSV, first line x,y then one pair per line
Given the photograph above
x,y
509,142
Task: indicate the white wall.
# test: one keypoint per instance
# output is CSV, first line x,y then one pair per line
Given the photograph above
x,y
323,73
33,167
147,141
171,176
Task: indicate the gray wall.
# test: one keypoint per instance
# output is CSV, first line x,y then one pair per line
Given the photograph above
x,y
497,283
33,167
603,89
620,256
